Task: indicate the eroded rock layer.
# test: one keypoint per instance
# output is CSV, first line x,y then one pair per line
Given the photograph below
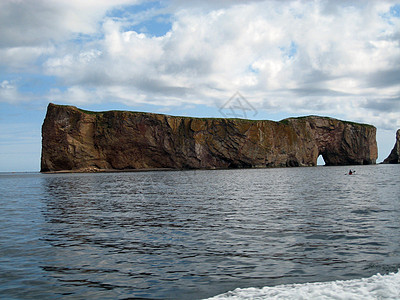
x,y
78,140
394,156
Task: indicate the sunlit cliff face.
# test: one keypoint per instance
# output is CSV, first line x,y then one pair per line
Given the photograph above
x,y
77,140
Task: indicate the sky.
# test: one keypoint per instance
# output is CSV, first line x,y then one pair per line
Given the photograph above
x,y
282,58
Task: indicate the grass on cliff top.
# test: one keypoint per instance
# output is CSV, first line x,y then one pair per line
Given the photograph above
x,y
90,112
360,124
284,121
138,112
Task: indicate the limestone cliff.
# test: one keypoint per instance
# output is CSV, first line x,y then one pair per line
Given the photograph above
x,y
394,156
74,139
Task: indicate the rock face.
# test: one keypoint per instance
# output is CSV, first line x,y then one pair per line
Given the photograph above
x,y
77,140
394,156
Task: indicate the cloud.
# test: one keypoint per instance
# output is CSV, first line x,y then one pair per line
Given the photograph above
x,y
383,105
289,56
32,23
30,29
8,91
23,58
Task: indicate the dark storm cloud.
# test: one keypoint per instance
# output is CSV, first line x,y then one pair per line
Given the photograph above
x,y
384,105
315,91
26,23
156,86
385,78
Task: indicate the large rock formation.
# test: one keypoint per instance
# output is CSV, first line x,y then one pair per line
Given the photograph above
x,y
394,156
75,139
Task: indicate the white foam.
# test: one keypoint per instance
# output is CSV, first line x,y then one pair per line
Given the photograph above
x,y
375,287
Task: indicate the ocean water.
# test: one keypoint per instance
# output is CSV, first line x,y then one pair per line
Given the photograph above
x,y
295,233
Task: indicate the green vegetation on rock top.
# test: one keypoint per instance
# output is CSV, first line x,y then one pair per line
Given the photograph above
x,y
284,121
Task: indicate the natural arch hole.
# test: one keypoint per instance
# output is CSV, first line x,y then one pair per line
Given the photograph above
x,y
320,161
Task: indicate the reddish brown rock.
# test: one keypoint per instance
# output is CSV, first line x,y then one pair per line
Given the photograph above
x,y
77,140
394,156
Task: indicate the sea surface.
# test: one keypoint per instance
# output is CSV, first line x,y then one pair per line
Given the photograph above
x,y
230,234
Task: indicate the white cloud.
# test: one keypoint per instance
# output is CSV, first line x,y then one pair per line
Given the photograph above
x,y
23,58
29,29
29,23
294,56
9,92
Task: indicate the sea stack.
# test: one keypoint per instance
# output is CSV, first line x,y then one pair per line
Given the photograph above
x,y
394,156
77,140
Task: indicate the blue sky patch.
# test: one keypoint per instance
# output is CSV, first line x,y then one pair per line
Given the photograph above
x,y
36,83
290,51
147,18
395,11
157,27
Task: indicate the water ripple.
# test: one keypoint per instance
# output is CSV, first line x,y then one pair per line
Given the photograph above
x,y
194,234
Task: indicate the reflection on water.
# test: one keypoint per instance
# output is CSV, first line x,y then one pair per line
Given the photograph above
x,y
195,234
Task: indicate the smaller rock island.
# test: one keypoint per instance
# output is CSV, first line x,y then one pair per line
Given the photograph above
x,y
82,141
394,156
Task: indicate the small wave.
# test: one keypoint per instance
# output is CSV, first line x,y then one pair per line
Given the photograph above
x,y
375,287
